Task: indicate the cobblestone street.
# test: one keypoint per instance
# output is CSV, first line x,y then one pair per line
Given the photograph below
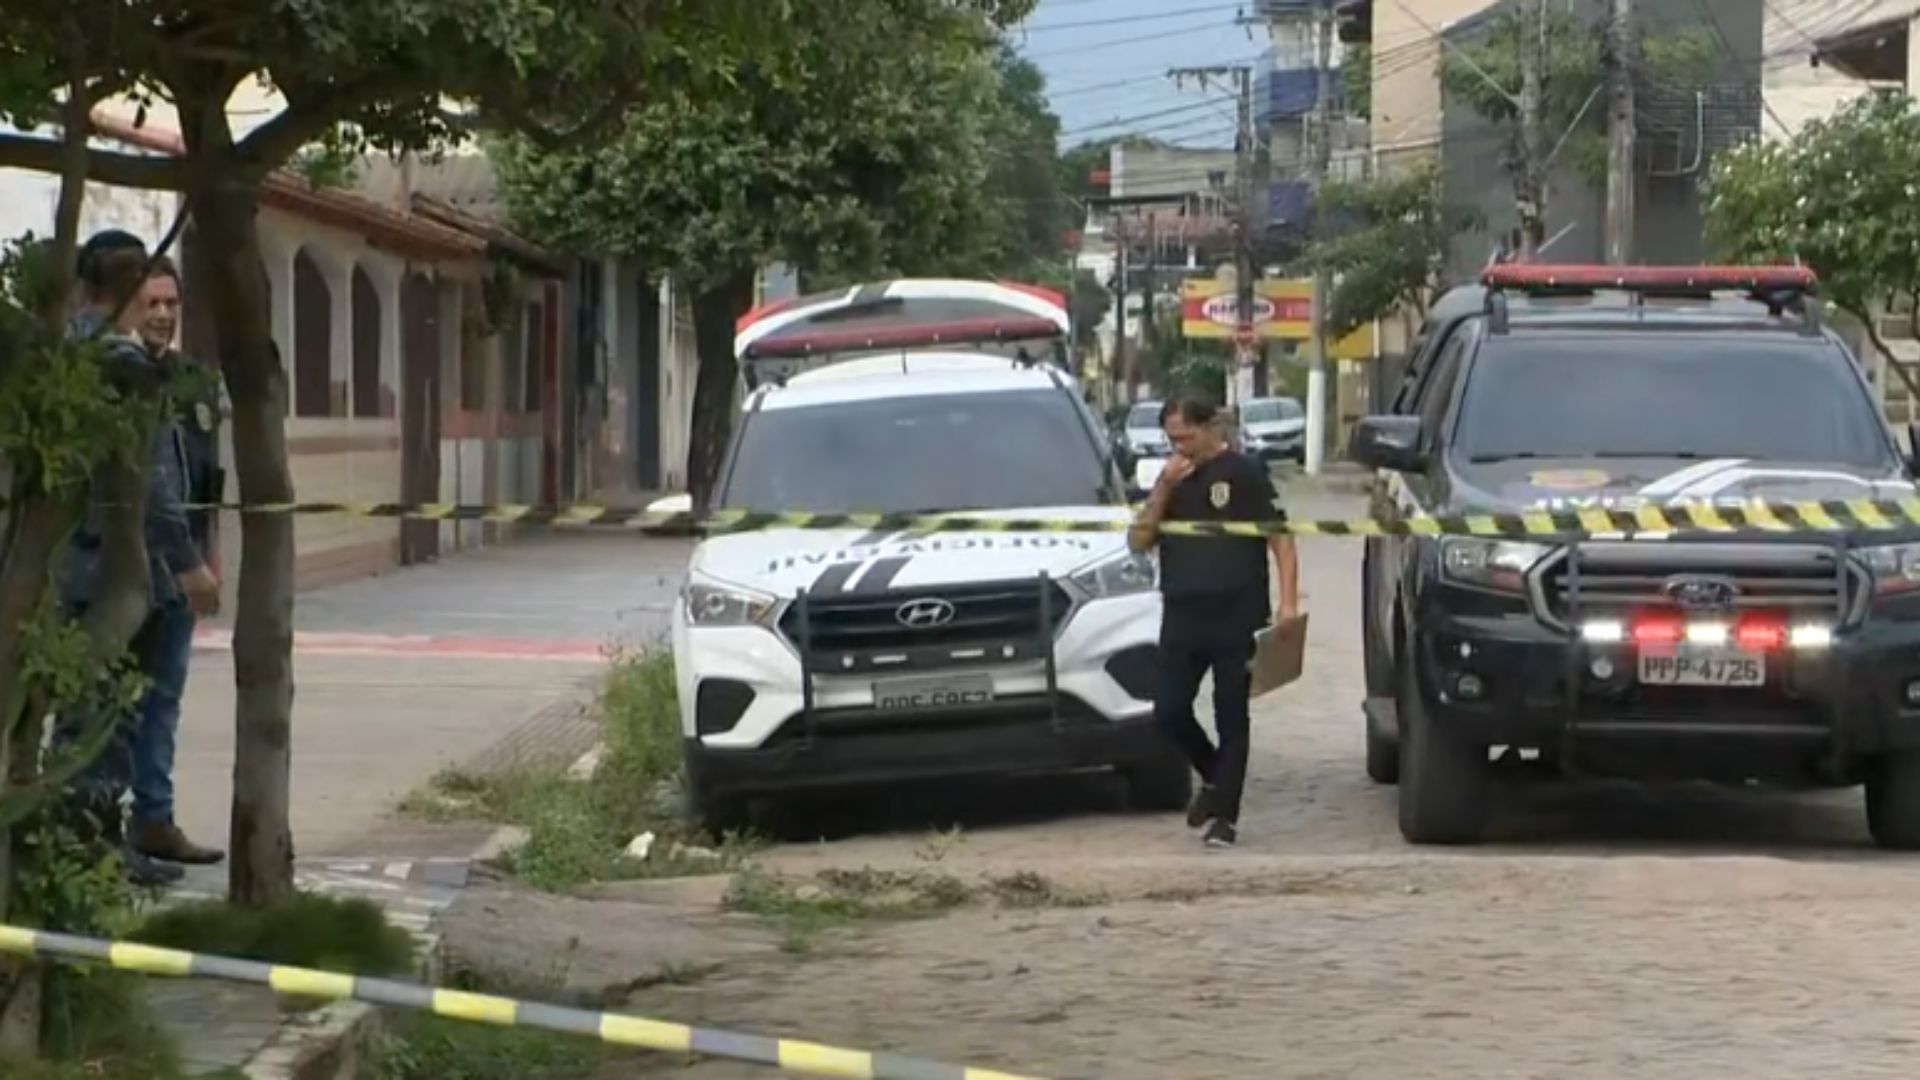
x,y
1605,931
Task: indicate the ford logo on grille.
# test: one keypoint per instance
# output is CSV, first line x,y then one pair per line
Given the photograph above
x,y
930,614
1693,593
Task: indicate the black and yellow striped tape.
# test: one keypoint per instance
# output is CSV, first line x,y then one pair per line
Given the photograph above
x,y
1829,517
791,1055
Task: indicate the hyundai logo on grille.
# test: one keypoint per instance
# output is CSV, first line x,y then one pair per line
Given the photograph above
x,y
1693,593
923,614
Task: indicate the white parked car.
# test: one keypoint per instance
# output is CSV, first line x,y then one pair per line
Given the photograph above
x,y
834,657
1274,429
1145,437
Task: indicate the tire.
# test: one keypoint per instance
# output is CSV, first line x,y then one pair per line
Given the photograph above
x,y
1443,778
1893,801
1383,751
1164,784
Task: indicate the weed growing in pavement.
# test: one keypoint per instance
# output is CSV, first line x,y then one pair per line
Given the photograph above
x,y
1026,889
348,935
939,843
420,1047
578,830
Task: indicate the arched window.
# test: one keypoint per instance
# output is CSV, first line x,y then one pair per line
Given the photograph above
x,y
312,339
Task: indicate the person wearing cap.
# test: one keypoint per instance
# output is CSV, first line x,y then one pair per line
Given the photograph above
x,y
115,304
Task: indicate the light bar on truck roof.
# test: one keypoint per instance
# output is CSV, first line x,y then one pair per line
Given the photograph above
x,y
1764,279
1778,287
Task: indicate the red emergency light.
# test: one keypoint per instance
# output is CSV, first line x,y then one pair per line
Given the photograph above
x,y
1758,279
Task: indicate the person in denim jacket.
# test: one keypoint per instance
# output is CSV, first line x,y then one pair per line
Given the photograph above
x,y
113,269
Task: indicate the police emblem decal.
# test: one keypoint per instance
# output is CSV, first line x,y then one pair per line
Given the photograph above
x,y
1218,495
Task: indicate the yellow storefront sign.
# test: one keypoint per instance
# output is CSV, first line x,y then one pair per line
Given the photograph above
x,y
1282,311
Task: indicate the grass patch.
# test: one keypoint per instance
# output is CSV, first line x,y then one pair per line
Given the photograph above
x,y
420,1047
96,1026
347,935
839,898
578,829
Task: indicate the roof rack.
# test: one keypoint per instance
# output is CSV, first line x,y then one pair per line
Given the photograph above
x,y
1780,288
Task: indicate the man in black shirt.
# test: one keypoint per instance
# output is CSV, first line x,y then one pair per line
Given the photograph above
x,y
1216,596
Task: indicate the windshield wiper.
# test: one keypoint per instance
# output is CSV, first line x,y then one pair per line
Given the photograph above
x,y
1662,455
1516,455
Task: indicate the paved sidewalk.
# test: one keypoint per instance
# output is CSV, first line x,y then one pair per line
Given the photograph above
x,y
400,676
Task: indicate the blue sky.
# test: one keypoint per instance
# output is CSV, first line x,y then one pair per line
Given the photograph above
x,y
1106,60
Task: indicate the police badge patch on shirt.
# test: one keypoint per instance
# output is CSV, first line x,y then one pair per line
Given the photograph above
x,y
1219,494
203,416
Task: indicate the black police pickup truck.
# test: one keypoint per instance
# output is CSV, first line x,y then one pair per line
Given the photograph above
x,y
1790,658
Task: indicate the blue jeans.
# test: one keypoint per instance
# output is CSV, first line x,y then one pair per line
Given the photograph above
x,y
140,754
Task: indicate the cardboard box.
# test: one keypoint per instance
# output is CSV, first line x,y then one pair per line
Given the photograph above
x,y
1279,654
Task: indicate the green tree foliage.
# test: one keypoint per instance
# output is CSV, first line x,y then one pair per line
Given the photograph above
x,y
1484,73
1356,80
909,144
1386,243
1839,196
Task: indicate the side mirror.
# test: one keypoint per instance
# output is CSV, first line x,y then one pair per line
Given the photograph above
x,y
1146,473
1388,442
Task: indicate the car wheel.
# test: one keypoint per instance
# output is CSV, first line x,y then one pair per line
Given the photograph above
x,y
1893,801
1383,748
1443,778
1162,784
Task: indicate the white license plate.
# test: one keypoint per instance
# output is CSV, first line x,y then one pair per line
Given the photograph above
x,y
1702,666
950,692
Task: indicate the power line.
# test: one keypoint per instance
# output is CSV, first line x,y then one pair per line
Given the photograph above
x,y
1126,19
1118,42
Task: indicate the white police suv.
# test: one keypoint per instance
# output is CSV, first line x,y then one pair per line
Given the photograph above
x,y
812,658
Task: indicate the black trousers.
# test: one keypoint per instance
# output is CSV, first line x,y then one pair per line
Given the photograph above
x,y
1196,639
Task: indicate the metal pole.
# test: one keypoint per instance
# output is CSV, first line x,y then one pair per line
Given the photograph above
x,y
1620,134
1322,280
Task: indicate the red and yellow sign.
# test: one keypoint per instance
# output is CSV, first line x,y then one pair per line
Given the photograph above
x,y
1282,311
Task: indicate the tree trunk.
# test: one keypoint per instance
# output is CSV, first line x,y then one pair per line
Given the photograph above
x,y
226,263
715,310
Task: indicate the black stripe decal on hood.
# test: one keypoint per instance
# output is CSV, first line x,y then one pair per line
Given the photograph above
x,y
879,577
833,579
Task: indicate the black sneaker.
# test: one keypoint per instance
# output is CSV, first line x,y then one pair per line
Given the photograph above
x,y
1200,810
150,873
1222,834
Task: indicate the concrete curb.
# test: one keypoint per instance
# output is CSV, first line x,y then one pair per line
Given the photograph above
x,y
326,1044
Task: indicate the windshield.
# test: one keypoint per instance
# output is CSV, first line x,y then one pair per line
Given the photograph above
x,y
1667,397
1260,412
1145,414
922,454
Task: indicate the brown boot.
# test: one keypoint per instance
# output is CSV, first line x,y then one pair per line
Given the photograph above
x,y
164,840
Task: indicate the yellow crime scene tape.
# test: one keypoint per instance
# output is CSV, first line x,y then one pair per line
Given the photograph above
x,y
790,1055
1826,517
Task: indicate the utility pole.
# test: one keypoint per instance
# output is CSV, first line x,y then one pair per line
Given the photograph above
x,y
1531,190
1240,375
1316,437
1122,355
1620,134
1149,332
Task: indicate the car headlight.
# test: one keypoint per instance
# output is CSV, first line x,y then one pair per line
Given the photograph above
x,y
1122,575
719,605
1489,564
1895,568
